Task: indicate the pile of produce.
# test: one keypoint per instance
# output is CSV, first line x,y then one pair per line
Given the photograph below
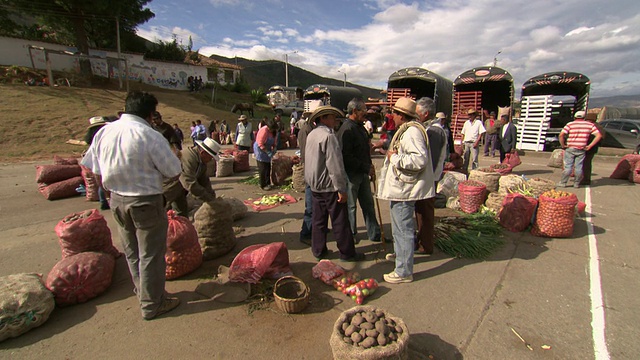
x,y
472,195
369,328
357,290
270,200
473,236
556,213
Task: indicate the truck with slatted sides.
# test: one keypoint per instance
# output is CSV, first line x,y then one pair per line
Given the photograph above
x,y
484,89
282,95
548,102
336,96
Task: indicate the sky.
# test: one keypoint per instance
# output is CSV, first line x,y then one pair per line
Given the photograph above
x,y
370,39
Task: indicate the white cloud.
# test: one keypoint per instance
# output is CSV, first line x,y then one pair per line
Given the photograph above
x,y
579,30
164,33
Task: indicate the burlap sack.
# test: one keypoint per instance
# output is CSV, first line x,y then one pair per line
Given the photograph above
x,y
398,349
224,166
494,201
214,224
298,178
25,304
539,186
490,178
556,159
238,208
509,183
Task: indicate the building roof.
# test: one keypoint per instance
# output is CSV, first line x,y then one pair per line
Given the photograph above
x,y
206,61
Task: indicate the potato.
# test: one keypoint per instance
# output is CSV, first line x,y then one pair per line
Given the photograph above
x,y
373,333
363,333
370,316
367,326
368,342
344,327
348,340
350,330
381,327
398,329
393,336
379,313
356,337
382,340
357,320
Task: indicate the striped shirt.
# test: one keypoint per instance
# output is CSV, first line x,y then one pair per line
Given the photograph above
x,y
132,157
578,132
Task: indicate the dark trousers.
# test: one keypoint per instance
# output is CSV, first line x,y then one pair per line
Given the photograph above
x,y
264,171
587,167
425,221
503,154
326,205
305,232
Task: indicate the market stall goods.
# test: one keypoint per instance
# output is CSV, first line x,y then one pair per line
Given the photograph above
x,y
448,186
298,182
557,159
85,231
224,167
62,189
238,207
517,211
510,183
367,332
214,224
25,302
255,262
494,201
183,254
49,174
281,169
487,176
90,184
472,195
241,161
538,186
555,215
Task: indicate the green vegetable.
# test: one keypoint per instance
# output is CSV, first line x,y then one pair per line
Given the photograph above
x,y
474,236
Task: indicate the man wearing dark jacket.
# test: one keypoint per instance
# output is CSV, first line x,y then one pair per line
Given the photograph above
x,y
507,136
356,154
166,130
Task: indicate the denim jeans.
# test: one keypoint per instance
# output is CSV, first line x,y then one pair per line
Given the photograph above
x,y
573,157
305,232
403,227
359,190
470,151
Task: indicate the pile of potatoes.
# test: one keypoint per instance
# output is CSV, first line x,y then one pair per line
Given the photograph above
x,y
368,328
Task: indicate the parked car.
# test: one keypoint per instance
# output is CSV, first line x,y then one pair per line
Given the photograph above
x,y
622,133
288,108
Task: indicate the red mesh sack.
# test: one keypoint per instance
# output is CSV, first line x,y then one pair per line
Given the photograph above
x,y
457,160
49,174
512,159
241,161
85,231
635,174
625,166
78,278
184,254
502,169
517,211
61,189
555,216
472,195
90,184
326,271
262,260
281,169
57,160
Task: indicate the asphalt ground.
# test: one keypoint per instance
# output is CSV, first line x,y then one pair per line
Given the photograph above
x,y
540,288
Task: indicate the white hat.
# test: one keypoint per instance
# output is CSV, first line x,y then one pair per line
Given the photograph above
x,y
96,120
579,114
406,106
210,146
440,115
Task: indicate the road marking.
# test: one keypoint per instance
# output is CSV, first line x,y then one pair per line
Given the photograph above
x,y
597,305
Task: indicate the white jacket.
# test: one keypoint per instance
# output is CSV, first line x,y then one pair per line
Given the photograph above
x,y
408,175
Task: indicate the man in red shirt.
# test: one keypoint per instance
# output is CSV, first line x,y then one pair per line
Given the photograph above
x,y
574,139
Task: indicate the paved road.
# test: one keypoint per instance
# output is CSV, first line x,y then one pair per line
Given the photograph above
x,y
454,309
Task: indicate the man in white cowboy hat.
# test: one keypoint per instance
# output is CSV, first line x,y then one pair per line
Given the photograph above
x,y
574,139
472,131
426,208
133,159
194,176
406,177
324,173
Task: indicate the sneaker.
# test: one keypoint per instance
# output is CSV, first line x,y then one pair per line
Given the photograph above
x,y
354,258
267,188
168,304
561,185
390,257
393,278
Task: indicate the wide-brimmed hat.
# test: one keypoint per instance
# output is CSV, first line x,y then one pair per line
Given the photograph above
x,y
472,111
97,120
321,111
210,146
243,117
406,106
579,114
440,115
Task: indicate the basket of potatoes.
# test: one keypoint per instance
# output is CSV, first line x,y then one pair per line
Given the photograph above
x,y
367,332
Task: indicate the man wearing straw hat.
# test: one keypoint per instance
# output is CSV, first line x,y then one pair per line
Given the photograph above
x,y
472,131
406,177
324,173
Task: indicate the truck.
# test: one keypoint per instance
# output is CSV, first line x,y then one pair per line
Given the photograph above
x,y
336,96
485,89
282,95
548,102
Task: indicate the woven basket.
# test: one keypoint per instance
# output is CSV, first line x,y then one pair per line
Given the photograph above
x,y
291,294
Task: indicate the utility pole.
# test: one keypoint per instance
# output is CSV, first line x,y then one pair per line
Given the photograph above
x,y
118,46
495,58
344,72
286,68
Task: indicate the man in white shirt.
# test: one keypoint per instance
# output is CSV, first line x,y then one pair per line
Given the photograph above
x,y
472,131
133,160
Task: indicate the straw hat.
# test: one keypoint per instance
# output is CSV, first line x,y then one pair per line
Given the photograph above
x,y
321,111
472,112
99,120
440,115
406,106
210,146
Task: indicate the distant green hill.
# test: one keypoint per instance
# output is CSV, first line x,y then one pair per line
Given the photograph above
x,y
267,73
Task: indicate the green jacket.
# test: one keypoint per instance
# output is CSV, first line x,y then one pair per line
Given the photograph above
x,y
194,175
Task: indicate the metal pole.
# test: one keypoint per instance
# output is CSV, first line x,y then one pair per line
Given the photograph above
x,y
118,46
286,70
49,72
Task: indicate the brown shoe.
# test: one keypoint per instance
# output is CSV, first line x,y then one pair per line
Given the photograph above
x,y
168,304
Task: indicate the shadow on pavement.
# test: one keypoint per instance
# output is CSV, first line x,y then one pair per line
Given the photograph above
x,y
429,346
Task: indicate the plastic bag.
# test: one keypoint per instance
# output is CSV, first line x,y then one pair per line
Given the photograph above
x,y
362,289
517,211
448,186
261,260
327,271
342,283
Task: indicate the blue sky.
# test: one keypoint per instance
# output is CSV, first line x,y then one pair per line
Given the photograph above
x,y
370,39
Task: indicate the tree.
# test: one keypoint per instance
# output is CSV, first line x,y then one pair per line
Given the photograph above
x,y
82,23
166,50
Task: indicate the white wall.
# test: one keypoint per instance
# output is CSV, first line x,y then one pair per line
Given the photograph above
x,y
158,73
